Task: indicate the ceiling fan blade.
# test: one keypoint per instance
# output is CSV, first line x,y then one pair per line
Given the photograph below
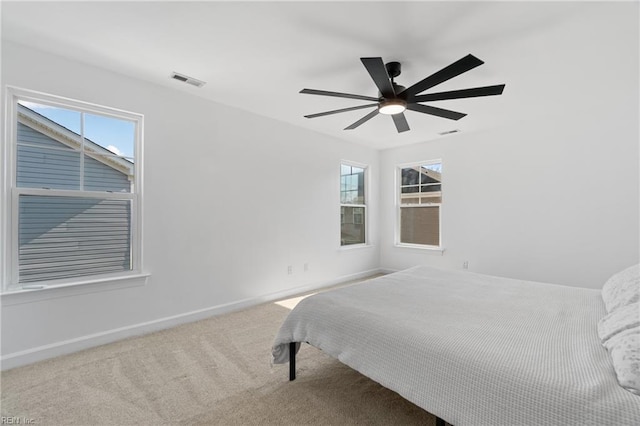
x,y
363,119
457,94
378,72
445,113
460,66
336,111
338,95
401,122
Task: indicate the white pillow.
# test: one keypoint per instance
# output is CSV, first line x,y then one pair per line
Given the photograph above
x,y
621,319
622,288
624,349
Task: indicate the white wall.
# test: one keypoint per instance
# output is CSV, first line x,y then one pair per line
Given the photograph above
x,y
557,207
230,200
554,196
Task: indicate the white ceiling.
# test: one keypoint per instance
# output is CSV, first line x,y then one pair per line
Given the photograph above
x,y
257,56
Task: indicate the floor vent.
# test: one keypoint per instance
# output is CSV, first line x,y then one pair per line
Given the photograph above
x,y
189,80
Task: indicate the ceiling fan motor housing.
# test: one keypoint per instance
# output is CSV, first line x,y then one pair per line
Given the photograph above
x,y
397,89
393,69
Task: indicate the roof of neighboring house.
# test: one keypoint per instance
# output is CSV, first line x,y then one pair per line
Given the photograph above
x,y
432,175
67,137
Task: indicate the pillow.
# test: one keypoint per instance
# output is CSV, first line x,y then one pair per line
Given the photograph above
x,y
621,319
624,349
622,288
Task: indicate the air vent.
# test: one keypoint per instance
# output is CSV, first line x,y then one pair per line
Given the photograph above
x,y
448,132
189,80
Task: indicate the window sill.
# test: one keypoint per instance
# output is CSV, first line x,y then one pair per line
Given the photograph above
x,y
436,249
355,247
38,292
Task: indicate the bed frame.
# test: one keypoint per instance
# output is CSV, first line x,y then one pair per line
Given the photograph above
x,y
292,374
469,311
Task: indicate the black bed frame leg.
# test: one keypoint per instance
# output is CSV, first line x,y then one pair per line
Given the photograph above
x,y
292,361
292,374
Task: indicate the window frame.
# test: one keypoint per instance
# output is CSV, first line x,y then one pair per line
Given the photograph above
x,y
9,199
399,206
365,215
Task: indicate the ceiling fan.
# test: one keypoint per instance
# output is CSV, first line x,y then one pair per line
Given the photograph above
x,y
394,99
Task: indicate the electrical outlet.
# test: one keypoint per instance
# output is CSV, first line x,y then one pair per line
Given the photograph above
x,y
465,264
289,269
306,267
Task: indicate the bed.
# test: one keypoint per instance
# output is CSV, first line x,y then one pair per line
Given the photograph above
x,y
471,349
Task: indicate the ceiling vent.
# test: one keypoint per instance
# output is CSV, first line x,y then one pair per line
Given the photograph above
x,y
185,79
448,132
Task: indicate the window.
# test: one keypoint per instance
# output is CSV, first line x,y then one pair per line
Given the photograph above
x,y
72,191
352,204
420,193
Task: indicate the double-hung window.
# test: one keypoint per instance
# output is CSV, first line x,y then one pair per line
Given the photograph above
x,y
353,208
419,204
72,192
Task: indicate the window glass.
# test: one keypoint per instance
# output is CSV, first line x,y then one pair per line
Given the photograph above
x,y
66,118
111,134
420,195
410,176
60,148
352,185
39,167
420,225
353,206
80,236
48,144
108,173
353,226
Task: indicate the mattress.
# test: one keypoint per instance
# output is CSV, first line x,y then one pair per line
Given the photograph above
x,y
469,348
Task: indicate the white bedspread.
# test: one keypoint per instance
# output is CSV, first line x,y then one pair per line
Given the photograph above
x,y
470,348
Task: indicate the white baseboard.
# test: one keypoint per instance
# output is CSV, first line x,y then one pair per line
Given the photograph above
x,y
65,347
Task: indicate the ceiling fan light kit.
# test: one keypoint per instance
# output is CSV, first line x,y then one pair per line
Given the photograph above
x,y
394,99
392,106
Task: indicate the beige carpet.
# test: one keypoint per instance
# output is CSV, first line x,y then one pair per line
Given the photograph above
x,y
211,372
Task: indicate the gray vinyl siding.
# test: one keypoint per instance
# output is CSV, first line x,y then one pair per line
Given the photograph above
x,y
65,237
27,135
100,177
48,168
46,163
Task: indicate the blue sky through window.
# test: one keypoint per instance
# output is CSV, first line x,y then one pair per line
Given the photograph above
x,y
115,135
437,167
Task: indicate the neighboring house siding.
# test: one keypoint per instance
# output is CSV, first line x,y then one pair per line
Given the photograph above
x,y
420,225
63,237
352,232
66,238
99,177
41,167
